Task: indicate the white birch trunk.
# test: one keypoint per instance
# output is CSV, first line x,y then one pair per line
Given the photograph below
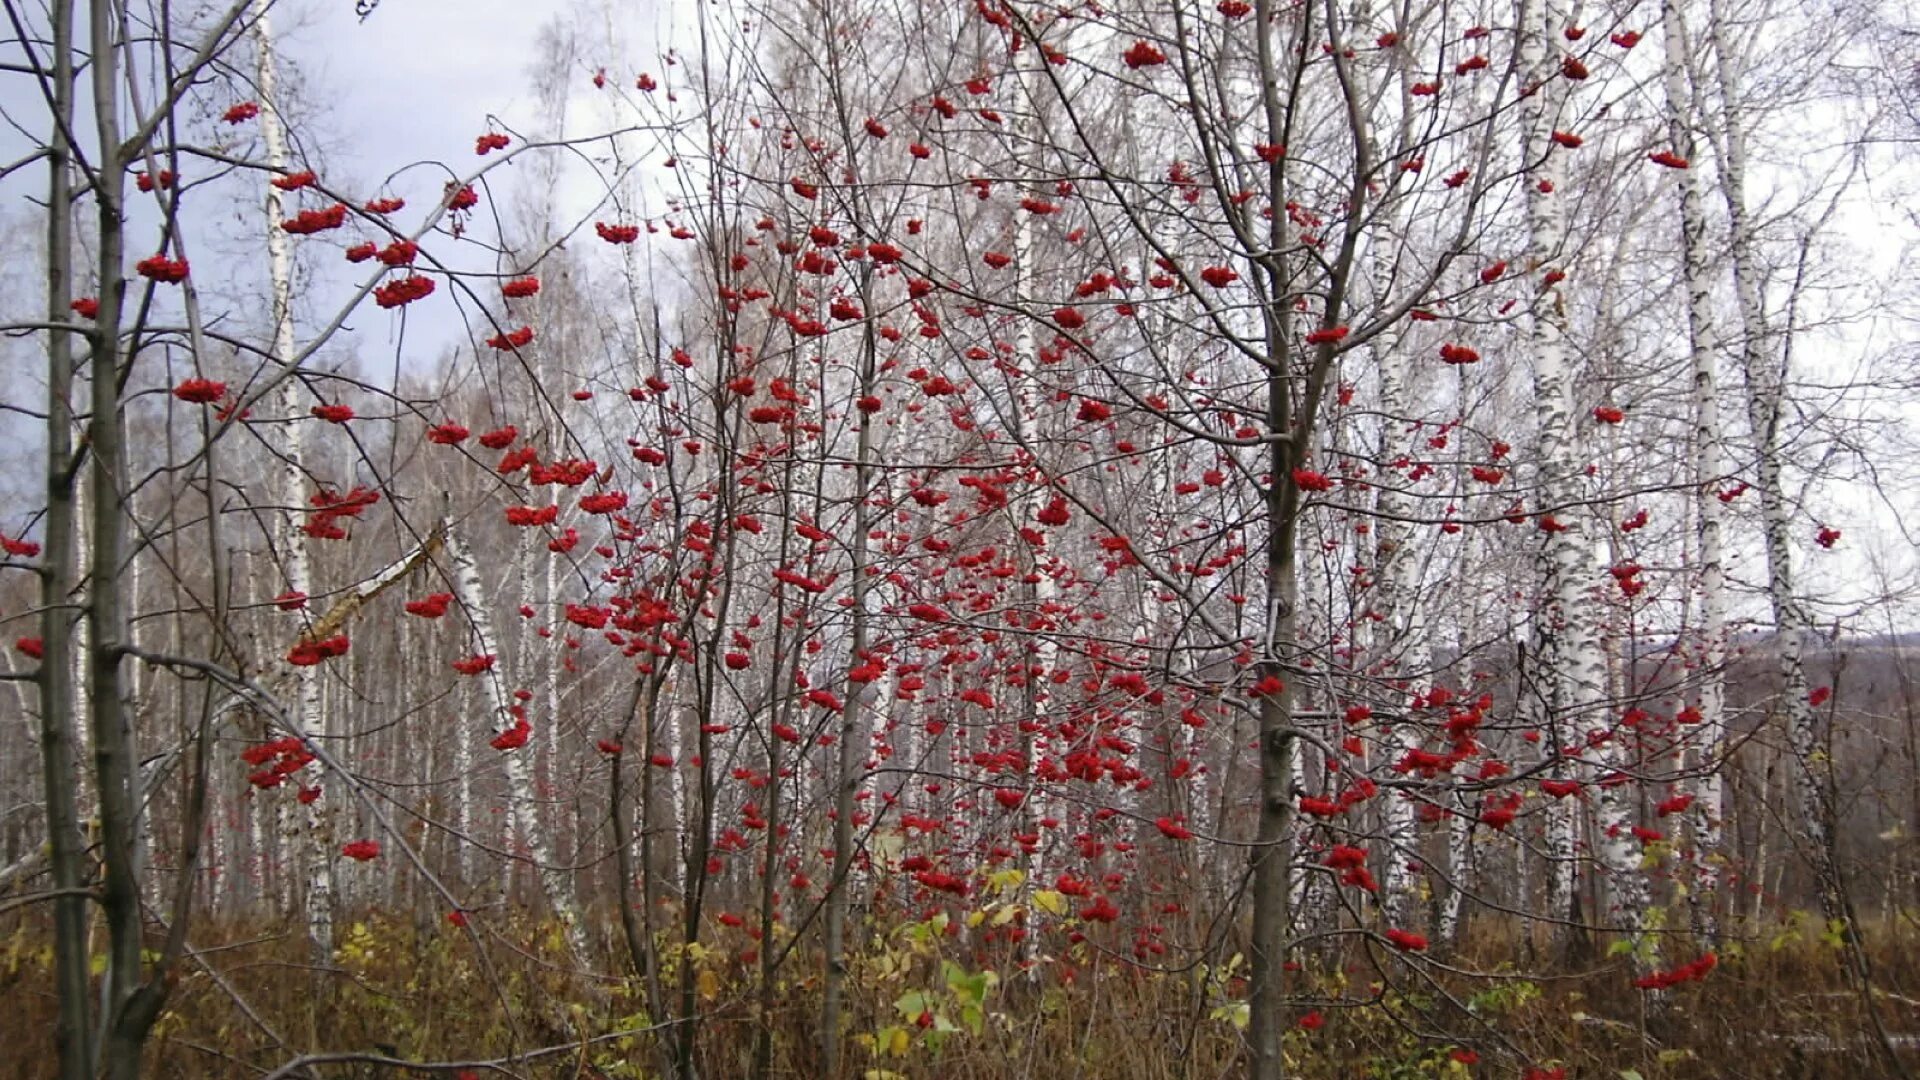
x,y
1299,884
1460,870
914,725
151,889
1709,455
1046,591
1765,372
217,873
1406,655
291,541
289,849
676,737
525,665
555,880
463,739
258,846
1568,641
1401,650
82,645
1628,899
549,667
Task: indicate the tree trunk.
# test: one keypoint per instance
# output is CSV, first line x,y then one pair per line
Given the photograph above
x,y
59,578
291,540
854,743
113,745
555,880
1764,368
1567,641
1709,652
1400,630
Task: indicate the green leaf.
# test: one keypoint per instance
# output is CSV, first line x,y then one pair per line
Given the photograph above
x,y
974,988
969,989
912,1003
1237,1013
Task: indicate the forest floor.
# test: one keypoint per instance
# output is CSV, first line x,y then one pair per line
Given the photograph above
x,y
932,1000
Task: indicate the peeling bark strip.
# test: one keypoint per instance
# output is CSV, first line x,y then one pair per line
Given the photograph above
x,y
359,596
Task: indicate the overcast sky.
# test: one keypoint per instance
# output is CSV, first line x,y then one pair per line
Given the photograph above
x,y
417,79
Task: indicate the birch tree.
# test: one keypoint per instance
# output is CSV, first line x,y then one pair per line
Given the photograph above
x,y
290,541
1709,652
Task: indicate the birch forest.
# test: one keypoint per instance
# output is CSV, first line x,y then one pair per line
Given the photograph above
x,y
896,539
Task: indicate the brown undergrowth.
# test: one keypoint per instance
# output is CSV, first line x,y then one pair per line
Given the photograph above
x,y
926,1000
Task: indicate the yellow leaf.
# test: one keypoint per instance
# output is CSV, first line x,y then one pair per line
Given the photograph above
x,y
1005,881
709,984
1006,915
975,918
1050,902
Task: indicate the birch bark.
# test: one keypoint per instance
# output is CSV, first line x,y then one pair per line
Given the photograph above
x,y
1764,370
1566,635
555,880
1396,599
1709,464
291,541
